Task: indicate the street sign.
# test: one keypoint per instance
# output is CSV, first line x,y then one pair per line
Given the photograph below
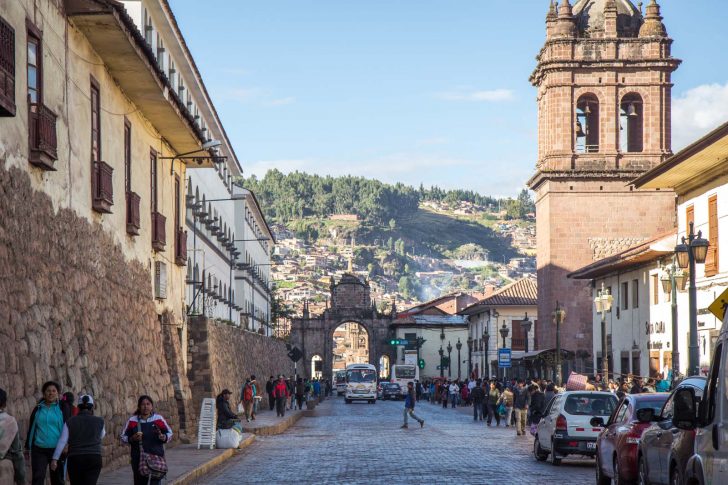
x,y
295,354
718,307
504,358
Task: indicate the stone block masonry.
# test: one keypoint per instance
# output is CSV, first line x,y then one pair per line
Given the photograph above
x,y
75,310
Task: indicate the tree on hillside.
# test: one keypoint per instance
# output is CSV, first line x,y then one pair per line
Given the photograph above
x,y
392,224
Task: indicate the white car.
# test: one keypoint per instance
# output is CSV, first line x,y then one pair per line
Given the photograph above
x,y
565,428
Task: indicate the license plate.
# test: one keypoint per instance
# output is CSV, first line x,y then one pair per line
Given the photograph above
x,y
591,446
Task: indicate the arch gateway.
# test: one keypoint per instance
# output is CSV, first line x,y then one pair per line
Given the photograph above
x,y
349,302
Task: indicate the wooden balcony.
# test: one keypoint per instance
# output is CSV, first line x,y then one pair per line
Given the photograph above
x,y
180,249
133,217
7,69
42,133
102,187
518,344
159,234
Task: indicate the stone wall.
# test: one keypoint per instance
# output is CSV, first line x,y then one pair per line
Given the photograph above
x,y
75,310
222,356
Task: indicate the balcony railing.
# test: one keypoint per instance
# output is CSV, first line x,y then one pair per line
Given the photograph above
x,y
102,187
180,249
518,344
133,217
43,142
159,235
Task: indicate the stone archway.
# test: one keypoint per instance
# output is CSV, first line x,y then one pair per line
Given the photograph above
x,y
350,345
349,302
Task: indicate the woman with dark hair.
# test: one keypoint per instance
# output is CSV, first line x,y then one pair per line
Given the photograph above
x,y
145,431
44,431
83,434
12,463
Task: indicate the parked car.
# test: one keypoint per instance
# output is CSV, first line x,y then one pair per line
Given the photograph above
x,y
664,448
708,420
391,390
566,429
617,445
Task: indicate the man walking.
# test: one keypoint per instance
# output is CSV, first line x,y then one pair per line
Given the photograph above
x,y
409,406
280,393
521,400
269,390
477,396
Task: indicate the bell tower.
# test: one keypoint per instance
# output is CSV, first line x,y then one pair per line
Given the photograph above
x,y
604,100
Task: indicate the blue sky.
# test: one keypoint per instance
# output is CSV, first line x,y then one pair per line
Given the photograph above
x,y
431,91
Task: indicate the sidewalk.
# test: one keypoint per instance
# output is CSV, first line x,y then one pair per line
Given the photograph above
x,y
266,422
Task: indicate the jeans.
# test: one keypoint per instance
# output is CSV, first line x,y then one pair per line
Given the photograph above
x,y
509,413
453,400
271,401
477,411
493,412
40,460
248,406
84,469
411,413
521,416
281,406
299,401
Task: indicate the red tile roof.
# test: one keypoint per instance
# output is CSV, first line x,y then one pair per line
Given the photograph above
x,y
523,292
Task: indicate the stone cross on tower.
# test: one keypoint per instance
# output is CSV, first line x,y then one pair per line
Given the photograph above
x,y
604,102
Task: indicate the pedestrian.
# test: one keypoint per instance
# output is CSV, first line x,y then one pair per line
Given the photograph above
x,y
549,393
418,390
12,462
454,394
300,393
409,406
536,406
269,390
247,394
493,397
521,400
70,399
506,400
316,388
444,391
464,395
82,434
44,431
256,397
146,431
280,394
291,385
226,418
477,396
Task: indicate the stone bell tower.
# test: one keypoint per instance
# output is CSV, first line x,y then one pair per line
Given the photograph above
x,y
604,101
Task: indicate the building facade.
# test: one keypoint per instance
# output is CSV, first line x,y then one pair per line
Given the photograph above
x,y
604,106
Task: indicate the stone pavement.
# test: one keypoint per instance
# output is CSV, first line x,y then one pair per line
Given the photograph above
x,y
363,444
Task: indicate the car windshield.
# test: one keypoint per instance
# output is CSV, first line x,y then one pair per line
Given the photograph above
x,y
404,372
390,386
362,375
590,404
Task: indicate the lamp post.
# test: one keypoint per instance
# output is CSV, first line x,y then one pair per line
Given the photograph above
x,y
603,302
441,352
459,346
470,356
559,316
504,333
486,341
671,281
690,251
449,359
526,326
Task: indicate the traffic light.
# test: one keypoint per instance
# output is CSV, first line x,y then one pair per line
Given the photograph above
x,y
421,363
395,341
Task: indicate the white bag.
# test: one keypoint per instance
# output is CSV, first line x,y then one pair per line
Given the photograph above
x,y
241,408
227,438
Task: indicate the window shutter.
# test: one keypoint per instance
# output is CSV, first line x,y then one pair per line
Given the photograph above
x,y
7,69
160,280
711,261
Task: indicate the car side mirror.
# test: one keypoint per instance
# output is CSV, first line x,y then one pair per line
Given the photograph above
x,y
645,415
684,409
597,422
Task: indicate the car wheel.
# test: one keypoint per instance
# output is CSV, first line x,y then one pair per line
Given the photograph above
x,y
642,472
552,456
602,479
538,452
675,478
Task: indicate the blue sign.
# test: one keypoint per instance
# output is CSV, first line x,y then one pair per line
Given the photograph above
x,y
504,357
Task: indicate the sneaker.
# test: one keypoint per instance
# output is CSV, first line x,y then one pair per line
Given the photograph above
x,y
518,433
404,426
422,423
247,419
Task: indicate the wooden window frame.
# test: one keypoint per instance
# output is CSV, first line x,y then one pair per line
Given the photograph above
x,y
34,33
624,295
95,90
655,289
635,293
689,218
711,261
7,69
127,156
153,180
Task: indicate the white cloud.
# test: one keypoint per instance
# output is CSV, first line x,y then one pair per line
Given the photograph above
x,y
697,112
478,96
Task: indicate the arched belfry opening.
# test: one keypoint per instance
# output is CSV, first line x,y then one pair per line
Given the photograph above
x,y
587,124
631,124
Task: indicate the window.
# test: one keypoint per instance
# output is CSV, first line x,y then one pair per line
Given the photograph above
x,y
712,393
711,261
153,179
689,218
35,67
655,289
635,294
159,234
127,156
95,121
631,124
7,69
622,412
624,296
587,124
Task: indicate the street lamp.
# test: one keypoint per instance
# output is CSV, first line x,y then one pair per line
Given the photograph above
x,y
603,302
504,333
449,359
673,279
459,346
441,352
486,341
559,316
690,251
470,356
526,326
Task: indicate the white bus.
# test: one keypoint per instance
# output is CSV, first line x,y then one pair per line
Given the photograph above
x,y
404,373
340,382
361,383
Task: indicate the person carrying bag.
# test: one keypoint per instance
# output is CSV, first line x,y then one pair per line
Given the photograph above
x,y
147,432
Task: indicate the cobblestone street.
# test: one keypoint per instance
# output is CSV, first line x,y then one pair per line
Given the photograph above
x,y
363,444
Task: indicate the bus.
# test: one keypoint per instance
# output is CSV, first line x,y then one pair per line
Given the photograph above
x,y
361,383
340,382
404,373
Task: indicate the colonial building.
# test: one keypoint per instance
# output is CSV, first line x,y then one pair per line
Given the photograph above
x,y
506,309
604,103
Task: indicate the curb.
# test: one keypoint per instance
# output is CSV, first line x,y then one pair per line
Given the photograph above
x,y
201,470
277,428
